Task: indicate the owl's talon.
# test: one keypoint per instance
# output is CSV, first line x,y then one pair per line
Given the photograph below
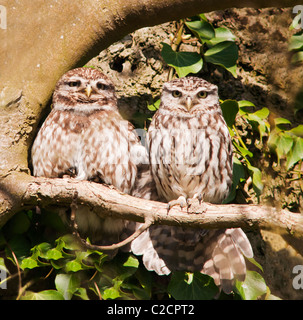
x,y
181,201
200,199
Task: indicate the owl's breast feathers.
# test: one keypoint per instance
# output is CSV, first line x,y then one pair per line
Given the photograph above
x,y
188,156
95,146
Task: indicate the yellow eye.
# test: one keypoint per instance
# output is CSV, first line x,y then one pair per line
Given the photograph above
x,y
202,94
177,94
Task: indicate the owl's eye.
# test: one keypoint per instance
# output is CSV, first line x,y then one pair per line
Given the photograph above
x,y
101,86
74,83
202,94
177,94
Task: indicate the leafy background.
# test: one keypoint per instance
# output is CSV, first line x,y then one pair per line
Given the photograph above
x,y
43,261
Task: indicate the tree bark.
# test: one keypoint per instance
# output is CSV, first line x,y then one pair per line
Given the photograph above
x,y
43,40
108,201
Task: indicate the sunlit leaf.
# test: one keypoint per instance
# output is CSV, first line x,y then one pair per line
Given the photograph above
x,y
253,287
244,152
297,131
111,293
282,123
296,154
296,42
67,284
221,34
297,57
29,263
256,179
154,106
183,62
42,295
54,254
224,54
202,29
131,262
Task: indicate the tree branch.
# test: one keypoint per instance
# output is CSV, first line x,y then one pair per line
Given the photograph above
x,y
149,221
107,201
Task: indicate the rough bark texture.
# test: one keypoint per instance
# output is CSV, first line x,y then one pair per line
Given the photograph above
x,y
106,201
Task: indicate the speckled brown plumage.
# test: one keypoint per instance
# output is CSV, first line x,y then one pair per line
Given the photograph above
x,y
191,157
84,136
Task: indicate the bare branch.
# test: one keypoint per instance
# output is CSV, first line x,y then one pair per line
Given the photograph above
x,y
107,201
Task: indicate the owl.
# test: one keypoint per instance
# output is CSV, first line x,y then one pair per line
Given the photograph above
x,y
190,154
85,137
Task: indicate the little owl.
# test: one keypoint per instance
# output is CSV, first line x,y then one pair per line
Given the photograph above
x,y
190,153
85,137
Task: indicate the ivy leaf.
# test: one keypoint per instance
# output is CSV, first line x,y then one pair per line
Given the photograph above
x,y
230,109
42,295
253,287
296,42
54,254
67,284
246,107
221,34
297,57
183,62
224,54
29,263
296,153
192,286
238,174
202,29
73,266
154,106
281,143
282,124
111,293
297,131
256,179
131,262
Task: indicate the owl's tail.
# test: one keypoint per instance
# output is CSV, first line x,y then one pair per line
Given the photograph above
x,y
217,253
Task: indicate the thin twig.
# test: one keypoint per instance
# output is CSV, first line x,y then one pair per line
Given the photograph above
x,y
18,270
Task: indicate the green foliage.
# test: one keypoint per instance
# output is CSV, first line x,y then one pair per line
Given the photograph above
x,y
253,287
62,269
183,62
217,47
192,286
287,143
296,50
296,47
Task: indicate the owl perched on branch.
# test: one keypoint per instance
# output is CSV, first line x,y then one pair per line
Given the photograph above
x,y
85,137
191,157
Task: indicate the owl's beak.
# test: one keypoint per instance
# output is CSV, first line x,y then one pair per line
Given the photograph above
x,y
88,90
189,103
